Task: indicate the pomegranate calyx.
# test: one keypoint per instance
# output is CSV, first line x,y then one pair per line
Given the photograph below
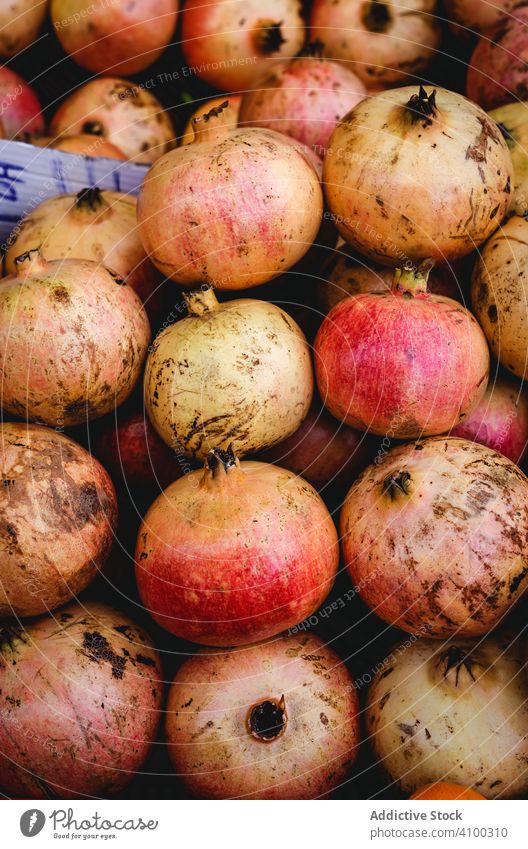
x,y
412,280
269,37
376,16
397,484
314,49
423,105
89,198
456,661
201,301
266,720
10,635
218,459
93,128
216,110
30,262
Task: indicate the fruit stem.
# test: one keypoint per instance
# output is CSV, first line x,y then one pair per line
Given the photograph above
x,y
397,484
201,301
412,280
267,720
90,199
422,105
222,468
30,263
268,37
206,128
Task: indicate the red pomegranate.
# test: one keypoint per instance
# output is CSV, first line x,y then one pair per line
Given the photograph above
x,y
227,42
500,419
302,97
236,553
20,107
323,451
497,72
132,451
278,720
406,361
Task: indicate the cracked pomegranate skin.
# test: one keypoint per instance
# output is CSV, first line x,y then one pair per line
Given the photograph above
x,y
404,366
233,556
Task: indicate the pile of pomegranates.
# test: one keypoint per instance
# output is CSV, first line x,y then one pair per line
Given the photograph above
x,y
263,347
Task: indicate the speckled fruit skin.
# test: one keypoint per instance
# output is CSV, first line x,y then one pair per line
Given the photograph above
x,y
343,275
403,187
430,718
237,373
500,419
58,513
513,122
133,452
323,451
303,98
129,116
20,23
20,105
397,40
412,366
209,742
227,42
117,38
73,340
499,294
94,225
235,208
477,15
227,556
443,551
497,69
80,705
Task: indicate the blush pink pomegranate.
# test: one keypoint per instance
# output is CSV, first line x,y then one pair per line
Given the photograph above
x,y
302,97
500,419
132,451
81,699
381,42
235,208
117,38
277,720
404,361
497,70
228,42
235,553
436,537
322,451
21,112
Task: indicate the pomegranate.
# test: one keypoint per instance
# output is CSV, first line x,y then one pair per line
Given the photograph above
x,y
497,69
228,115
278,720
323,451
477,15
20,24
304,97
81,700
121,38
73,339
227,42
513,124
383,42
500,419
84,145
344,274
124,113
19,105
452,712
92,224
131,449
235,207
235,553
435,536
404,360
411,174
234,373
499,293
59,513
